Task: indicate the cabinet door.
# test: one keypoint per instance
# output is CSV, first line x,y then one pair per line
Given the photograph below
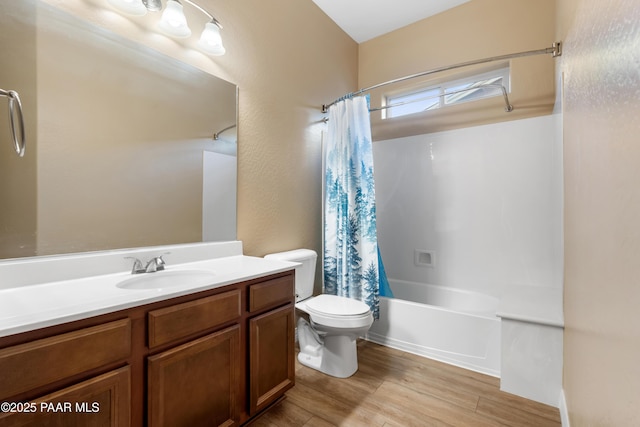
x,y
101,401
272,368
196,384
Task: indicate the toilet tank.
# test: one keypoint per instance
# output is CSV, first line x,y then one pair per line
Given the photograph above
x,y
305,273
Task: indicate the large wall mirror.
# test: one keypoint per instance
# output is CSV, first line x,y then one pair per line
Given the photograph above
x,y
120,150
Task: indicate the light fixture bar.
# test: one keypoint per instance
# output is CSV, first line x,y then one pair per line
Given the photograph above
x,y
210,16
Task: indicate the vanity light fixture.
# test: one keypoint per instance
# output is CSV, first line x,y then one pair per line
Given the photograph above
x,y
211,40
174,23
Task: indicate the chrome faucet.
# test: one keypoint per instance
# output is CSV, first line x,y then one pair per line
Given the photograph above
x,y
153,265
137,265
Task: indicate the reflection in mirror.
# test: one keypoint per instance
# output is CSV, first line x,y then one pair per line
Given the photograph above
x,y
120,138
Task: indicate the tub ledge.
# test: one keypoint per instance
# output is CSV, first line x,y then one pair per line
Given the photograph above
x,y
532,324
534,304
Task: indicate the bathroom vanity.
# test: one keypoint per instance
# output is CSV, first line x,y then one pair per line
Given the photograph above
x,y
216,353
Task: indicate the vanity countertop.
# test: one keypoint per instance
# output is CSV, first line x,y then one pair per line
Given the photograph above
x,y
35,306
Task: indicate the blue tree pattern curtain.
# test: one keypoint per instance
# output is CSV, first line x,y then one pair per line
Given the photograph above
x,y
350,237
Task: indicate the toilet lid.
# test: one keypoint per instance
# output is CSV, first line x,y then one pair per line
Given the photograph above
x,y
337,306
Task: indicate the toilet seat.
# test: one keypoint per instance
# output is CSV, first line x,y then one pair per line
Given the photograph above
x,y
337,306
337,312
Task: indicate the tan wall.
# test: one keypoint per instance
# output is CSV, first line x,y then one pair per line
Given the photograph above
x,y
602,210
288,59
475,30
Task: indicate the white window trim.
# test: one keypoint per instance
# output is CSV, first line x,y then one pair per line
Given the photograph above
x,y
443,87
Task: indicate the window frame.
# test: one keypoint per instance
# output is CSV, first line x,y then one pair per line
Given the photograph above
x,y
441,100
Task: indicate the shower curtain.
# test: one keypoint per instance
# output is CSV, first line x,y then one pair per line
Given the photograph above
x,y
351,258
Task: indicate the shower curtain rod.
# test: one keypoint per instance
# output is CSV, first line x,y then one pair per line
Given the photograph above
x,y
216,135
555,50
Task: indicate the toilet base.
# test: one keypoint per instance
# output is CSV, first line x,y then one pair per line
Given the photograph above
x,y
334,355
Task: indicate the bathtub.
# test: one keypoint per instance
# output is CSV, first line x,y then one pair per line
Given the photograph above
x,y
450,325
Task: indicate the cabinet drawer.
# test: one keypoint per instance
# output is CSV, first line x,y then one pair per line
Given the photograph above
x,y
271,293
179,321
38,363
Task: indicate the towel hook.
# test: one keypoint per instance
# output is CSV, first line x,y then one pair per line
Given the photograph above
x,y
15,115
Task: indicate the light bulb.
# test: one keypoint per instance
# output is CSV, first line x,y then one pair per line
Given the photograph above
x,y
130,7
211,41
173,22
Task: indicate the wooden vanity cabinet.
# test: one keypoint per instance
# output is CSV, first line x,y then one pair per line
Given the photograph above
x,y
217,357
205,382
36,365
271,342
196,383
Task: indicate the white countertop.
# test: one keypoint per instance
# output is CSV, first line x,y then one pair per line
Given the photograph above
x,y
26,308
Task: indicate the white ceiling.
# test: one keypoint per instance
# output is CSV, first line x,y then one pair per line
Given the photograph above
x,y
366,19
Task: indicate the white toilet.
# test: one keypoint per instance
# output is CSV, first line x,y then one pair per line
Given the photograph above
x,y
328,340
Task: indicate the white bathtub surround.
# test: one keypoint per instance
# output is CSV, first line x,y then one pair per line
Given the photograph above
x,y
484,205
450,325
45,291
564,411
532,346
485,200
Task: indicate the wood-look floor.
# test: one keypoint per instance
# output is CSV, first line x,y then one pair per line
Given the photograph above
x,y
397,389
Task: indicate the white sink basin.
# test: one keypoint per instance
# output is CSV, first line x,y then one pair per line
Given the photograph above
x,y
166,279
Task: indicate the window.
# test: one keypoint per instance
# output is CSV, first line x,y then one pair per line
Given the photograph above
x,y
472,88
